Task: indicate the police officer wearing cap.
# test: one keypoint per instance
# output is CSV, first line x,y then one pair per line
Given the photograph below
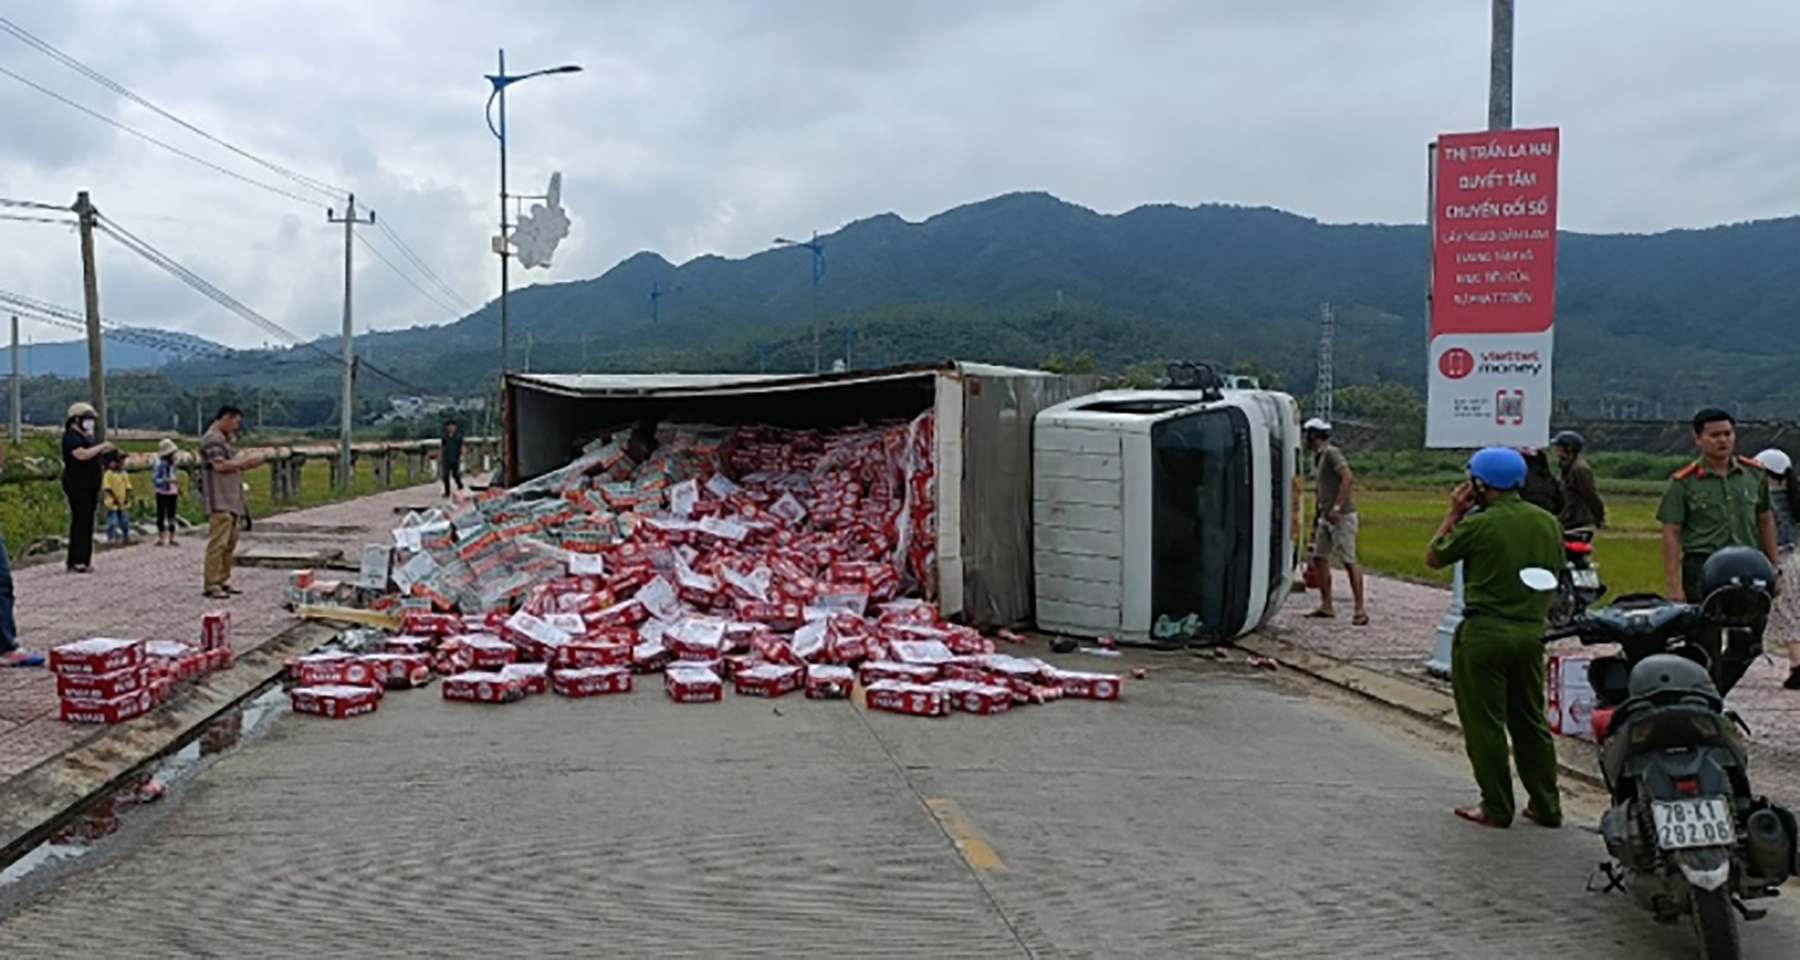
x,y
1497,658
1720,500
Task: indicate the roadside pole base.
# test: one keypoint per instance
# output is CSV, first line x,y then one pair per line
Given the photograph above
x,y
1439,664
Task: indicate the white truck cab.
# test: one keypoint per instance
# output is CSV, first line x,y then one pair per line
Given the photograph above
x,y
1165,516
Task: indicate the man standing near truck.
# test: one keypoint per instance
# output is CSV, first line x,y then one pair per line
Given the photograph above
x,y
1334,521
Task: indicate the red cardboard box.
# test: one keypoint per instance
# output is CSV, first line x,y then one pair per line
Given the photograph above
x,y
336,702
534,677
875,671
1569,699
331,669
117,710
979,698
483,687
895,696
400,671
692,683
829,682
768,680
410,644
103,686
215,630
582,654
591,681
1089,686
95,656
426,623
488,652
650,656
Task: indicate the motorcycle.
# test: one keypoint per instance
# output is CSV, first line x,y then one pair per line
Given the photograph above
x,y
1578,585
1687,835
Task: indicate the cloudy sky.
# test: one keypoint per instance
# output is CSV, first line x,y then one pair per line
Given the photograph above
x,y
709,126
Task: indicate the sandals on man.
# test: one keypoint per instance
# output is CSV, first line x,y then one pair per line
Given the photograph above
x,y
1477,815
1546,823
1360,620
1321,615
19,658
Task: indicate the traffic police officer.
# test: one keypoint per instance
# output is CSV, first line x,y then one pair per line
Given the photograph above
x,y
1497,660
1720,500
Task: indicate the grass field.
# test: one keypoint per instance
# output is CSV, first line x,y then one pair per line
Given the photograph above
x,y
1397,523
32,509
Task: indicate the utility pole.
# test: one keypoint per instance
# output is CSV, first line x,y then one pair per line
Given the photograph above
x,y
1322,392
346,470
1500,117
90,285
528,351
1500,85
15,424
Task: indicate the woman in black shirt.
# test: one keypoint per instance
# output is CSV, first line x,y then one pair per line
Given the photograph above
x,y
83,461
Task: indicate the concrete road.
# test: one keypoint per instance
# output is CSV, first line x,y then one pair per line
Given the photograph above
x,y
1212,813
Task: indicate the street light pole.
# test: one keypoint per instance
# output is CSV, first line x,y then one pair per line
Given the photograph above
x,y
818,274
499,82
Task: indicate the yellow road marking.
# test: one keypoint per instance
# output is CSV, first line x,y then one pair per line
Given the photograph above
x,y
974,849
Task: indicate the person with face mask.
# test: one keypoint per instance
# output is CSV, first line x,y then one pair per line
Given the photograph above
x,y
83,465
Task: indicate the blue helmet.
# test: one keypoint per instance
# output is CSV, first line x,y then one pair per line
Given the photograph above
x,y
1500,468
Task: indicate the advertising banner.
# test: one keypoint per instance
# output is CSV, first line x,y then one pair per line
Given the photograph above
x,y
1493,288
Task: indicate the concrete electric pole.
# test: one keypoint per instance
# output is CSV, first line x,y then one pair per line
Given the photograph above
x,y
16,423
347,419
90,285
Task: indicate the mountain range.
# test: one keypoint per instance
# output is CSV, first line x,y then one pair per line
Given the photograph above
x,y
1680,317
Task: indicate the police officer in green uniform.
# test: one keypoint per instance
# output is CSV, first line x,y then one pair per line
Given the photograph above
x,y
1720,500
1497,659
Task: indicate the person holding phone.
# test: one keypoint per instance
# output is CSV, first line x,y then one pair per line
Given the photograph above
x,y
1497,657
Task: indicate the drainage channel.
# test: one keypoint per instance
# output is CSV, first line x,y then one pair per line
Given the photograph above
x,y
113,824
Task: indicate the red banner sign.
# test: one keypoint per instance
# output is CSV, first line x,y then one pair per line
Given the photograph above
x,y
1493,264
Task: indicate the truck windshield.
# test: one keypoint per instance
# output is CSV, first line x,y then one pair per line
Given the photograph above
x,y
1201,545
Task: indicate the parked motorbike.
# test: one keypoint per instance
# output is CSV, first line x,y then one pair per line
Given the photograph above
x,y
1578,583
1687,835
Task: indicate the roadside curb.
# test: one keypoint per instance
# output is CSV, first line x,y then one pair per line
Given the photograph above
x,y
38,802
1574,757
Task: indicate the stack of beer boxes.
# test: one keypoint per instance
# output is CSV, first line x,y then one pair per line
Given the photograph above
x,y
102,680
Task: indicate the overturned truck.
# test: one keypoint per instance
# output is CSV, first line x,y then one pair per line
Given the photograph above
x,y
969,425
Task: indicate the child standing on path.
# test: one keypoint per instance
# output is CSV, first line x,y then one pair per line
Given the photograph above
x,y
168,492
117,485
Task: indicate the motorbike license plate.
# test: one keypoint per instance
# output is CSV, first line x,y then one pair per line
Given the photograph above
x,y
1588,579
1681,824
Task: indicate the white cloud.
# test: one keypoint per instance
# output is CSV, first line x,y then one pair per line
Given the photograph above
x,y
710,126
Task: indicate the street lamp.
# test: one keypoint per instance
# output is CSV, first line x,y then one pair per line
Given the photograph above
x,y
500,82
818,273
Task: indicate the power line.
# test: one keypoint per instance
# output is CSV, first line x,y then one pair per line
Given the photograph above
x,y
18,219
34,205
230,303
65,317
312,183
44,47
403,275
46,91
419,262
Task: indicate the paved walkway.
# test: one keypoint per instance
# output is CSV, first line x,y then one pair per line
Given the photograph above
x,y
154,592
1403,630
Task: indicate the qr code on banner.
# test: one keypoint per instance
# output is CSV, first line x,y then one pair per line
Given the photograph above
x,y
1509,406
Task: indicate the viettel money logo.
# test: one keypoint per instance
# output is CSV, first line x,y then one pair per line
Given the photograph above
x,y
1456,363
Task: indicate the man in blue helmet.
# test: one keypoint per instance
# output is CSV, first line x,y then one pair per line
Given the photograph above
x,y
1497,659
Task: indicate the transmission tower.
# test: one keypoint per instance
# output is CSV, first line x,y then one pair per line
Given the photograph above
x,y
1322,393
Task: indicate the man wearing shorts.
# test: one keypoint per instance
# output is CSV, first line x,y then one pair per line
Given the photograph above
x,y
1334,521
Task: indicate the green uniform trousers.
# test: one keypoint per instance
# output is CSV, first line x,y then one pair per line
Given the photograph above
x,y
1497,673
